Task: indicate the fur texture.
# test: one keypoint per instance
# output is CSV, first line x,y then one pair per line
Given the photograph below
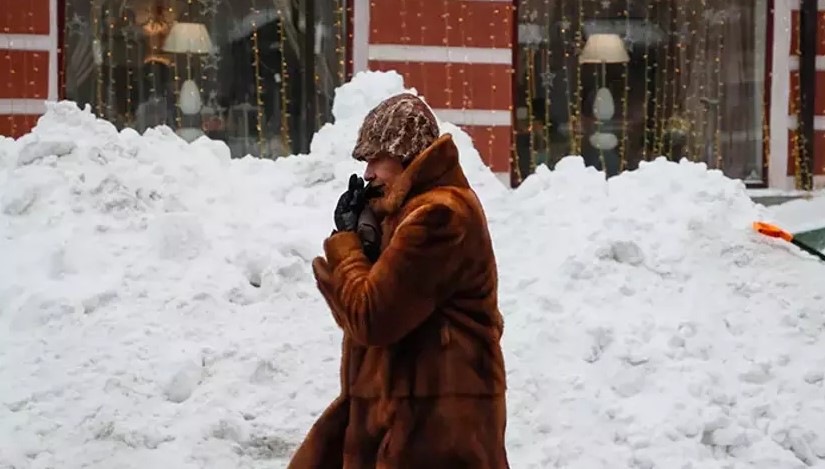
x,y
401,126
422,365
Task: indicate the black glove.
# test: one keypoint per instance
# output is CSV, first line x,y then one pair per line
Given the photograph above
x,y
350,205
369,231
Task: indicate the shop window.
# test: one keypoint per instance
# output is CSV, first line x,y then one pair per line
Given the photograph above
x,y
227,69
621,81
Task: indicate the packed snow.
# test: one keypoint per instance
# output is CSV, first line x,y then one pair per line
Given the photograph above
x,y
157,307
803,214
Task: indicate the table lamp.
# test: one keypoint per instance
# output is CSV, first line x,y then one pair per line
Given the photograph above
x,y
188,38
604,49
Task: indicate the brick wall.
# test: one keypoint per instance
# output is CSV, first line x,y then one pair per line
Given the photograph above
x,y
457,54
28,62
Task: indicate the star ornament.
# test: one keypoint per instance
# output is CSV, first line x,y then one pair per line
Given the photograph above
x,y
628,43
75,25
209,7
547,78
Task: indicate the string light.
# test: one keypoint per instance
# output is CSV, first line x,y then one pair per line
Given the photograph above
x,y
514,160
178,111
600,11
62,50
285,137
700,70
446,43
646,104
466,101
340,47
110,87
128,44
693,48
675,81
548,85
95,6
717,137
798,140
256,57
626,91
578,94
350,36
531,70
571,116
660,92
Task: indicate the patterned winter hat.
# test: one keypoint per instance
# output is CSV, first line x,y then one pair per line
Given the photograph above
x,y
402,126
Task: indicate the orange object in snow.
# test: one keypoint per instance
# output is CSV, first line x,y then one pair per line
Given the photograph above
x,y
772,230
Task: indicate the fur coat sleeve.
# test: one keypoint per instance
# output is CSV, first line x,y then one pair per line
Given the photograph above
x,y
378,304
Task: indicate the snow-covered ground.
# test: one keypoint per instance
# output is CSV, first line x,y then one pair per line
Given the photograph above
x,y
803,214
647,326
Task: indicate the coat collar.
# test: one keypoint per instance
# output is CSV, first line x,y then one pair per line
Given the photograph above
x,y
436,166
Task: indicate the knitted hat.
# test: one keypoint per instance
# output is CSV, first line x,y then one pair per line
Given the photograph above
x,y
402,126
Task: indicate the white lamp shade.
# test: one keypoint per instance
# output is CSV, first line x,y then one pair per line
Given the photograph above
x,y
192,38
604,48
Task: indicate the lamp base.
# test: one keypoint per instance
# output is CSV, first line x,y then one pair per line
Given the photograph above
x,y
189,134
189,100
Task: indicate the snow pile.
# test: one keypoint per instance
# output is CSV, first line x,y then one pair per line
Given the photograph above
x,y
157,306
803,214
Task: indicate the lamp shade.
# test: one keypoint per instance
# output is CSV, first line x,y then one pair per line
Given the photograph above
x,y
192,38
604,48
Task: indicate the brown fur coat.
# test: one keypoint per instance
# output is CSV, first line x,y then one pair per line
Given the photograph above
x,y
422,372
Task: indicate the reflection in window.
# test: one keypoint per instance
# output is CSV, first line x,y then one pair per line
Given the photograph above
x,y
228,69
690,83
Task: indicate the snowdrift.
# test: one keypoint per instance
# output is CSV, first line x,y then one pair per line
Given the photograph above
x,y
646,325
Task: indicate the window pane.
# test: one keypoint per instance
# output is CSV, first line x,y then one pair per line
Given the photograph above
x,y
689,85
228,69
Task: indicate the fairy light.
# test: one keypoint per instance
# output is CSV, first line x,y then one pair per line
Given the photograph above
x,y
514,163
349,29
675,80
446,43
256,58
340,48
12,72
719,96
96,41
646,104
548,85
693,49
491,138
178,112
600,10
625,92
798,139
531,70
284,80
571,117
128,44
316,76
578,94
62,71
660,94
700,65
657,78
110,44
466,100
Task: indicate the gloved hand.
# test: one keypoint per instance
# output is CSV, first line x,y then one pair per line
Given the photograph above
x,y
350,205
369,231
